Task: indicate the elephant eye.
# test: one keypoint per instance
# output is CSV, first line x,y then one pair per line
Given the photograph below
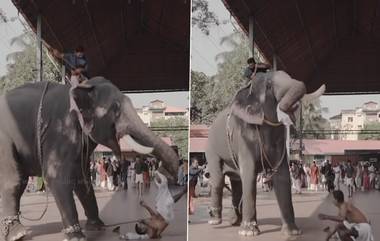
x,y
117,109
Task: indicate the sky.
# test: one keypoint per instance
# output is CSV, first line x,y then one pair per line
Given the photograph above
x,y
11,29
205,48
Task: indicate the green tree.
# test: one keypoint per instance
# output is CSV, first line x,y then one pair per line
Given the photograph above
x,y
180,137
370,126
313,123
21,67
202,17
201,84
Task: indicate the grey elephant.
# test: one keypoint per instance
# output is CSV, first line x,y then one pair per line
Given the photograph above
x,y
41,135
245,139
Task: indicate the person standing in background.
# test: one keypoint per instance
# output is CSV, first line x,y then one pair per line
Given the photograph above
x,y
124,173
307,171
358,176
139,176
314,176
145,171
337,173
110,172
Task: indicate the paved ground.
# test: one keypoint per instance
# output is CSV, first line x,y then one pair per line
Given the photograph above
x,y
307,206
114,207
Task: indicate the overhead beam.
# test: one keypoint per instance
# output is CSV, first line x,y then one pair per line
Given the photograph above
x,y
251,36
335,27
39,49
92,27
301,18
251,13
375,17
123,21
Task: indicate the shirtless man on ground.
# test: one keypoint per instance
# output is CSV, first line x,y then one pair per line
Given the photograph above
x,y
352,224
152,227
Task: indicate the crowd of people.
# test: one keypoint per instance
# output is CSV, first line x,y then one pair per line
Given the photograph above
x,y
330,176
111,174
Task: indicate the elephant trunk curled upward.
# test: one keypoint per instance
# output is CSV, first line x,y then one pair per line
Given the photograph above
x,y
107,116
240,136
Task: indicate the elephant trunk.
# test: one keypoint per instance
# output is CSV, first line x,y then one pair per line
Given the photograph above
x,y
130,123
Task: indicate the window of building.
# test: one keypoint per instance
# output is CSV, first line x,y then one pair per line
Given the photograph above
x,y
350,119
359,126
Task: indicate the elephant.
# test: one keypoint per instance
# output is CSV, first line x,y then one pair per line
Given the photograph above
x,y
245,139
41,136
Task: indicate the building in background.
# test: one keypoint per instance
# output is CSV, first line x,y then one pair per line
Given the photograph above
x,y
354,120
158,109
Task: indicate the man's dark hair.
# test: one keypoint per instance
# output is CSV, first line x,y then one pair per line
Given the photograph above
x,y
79,48
140,230
338,196
251,61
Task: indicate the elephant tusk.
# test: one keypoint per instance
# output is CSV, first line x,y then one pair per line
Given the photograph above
x,y
315,94
138,147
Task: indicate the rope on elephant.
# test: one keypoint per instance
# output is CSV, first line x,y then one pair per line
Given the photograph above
x,y
84,161
265,157
40,132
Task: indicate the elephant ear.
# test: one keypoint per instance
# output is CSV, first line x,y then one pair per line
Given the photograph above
x,y
248,103
82,101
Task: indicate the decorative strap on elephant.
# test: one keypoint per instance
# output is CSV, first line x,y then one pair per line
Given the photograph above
x,y
250,225
7,222
214,212
72,229
229,140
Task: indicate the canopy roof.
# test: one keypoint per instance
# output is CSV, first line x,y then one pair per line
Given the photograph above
x,y
137,44
336,42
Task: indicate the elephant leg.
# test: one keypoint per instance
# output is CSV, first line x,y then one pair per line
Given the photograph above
x,y
237,191
282,189
11,193
217,183
86,196
63,193
249,226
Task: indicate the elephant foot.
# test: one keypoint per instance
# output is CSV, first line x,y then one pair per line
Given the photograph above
x,y
216,216
74,233
249,229
215,221
236,217
94,225
12,229
291,230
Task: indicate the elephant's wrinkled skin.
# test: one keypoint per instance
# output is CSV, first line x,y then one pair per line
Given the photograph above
x,y
248,109
107,114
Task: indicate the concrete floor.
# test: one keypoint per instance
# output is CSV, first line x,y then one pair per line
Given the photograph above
x,y
114,207
307,206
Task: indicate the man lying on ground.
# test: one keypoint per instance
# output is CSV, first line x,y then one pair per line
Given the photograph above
x,y
352,224
152,227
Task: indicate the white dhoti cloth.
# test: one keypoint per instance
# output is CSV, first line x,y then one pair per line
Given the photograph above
x,y
134,236
349,181
164,199
164,206
364,230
